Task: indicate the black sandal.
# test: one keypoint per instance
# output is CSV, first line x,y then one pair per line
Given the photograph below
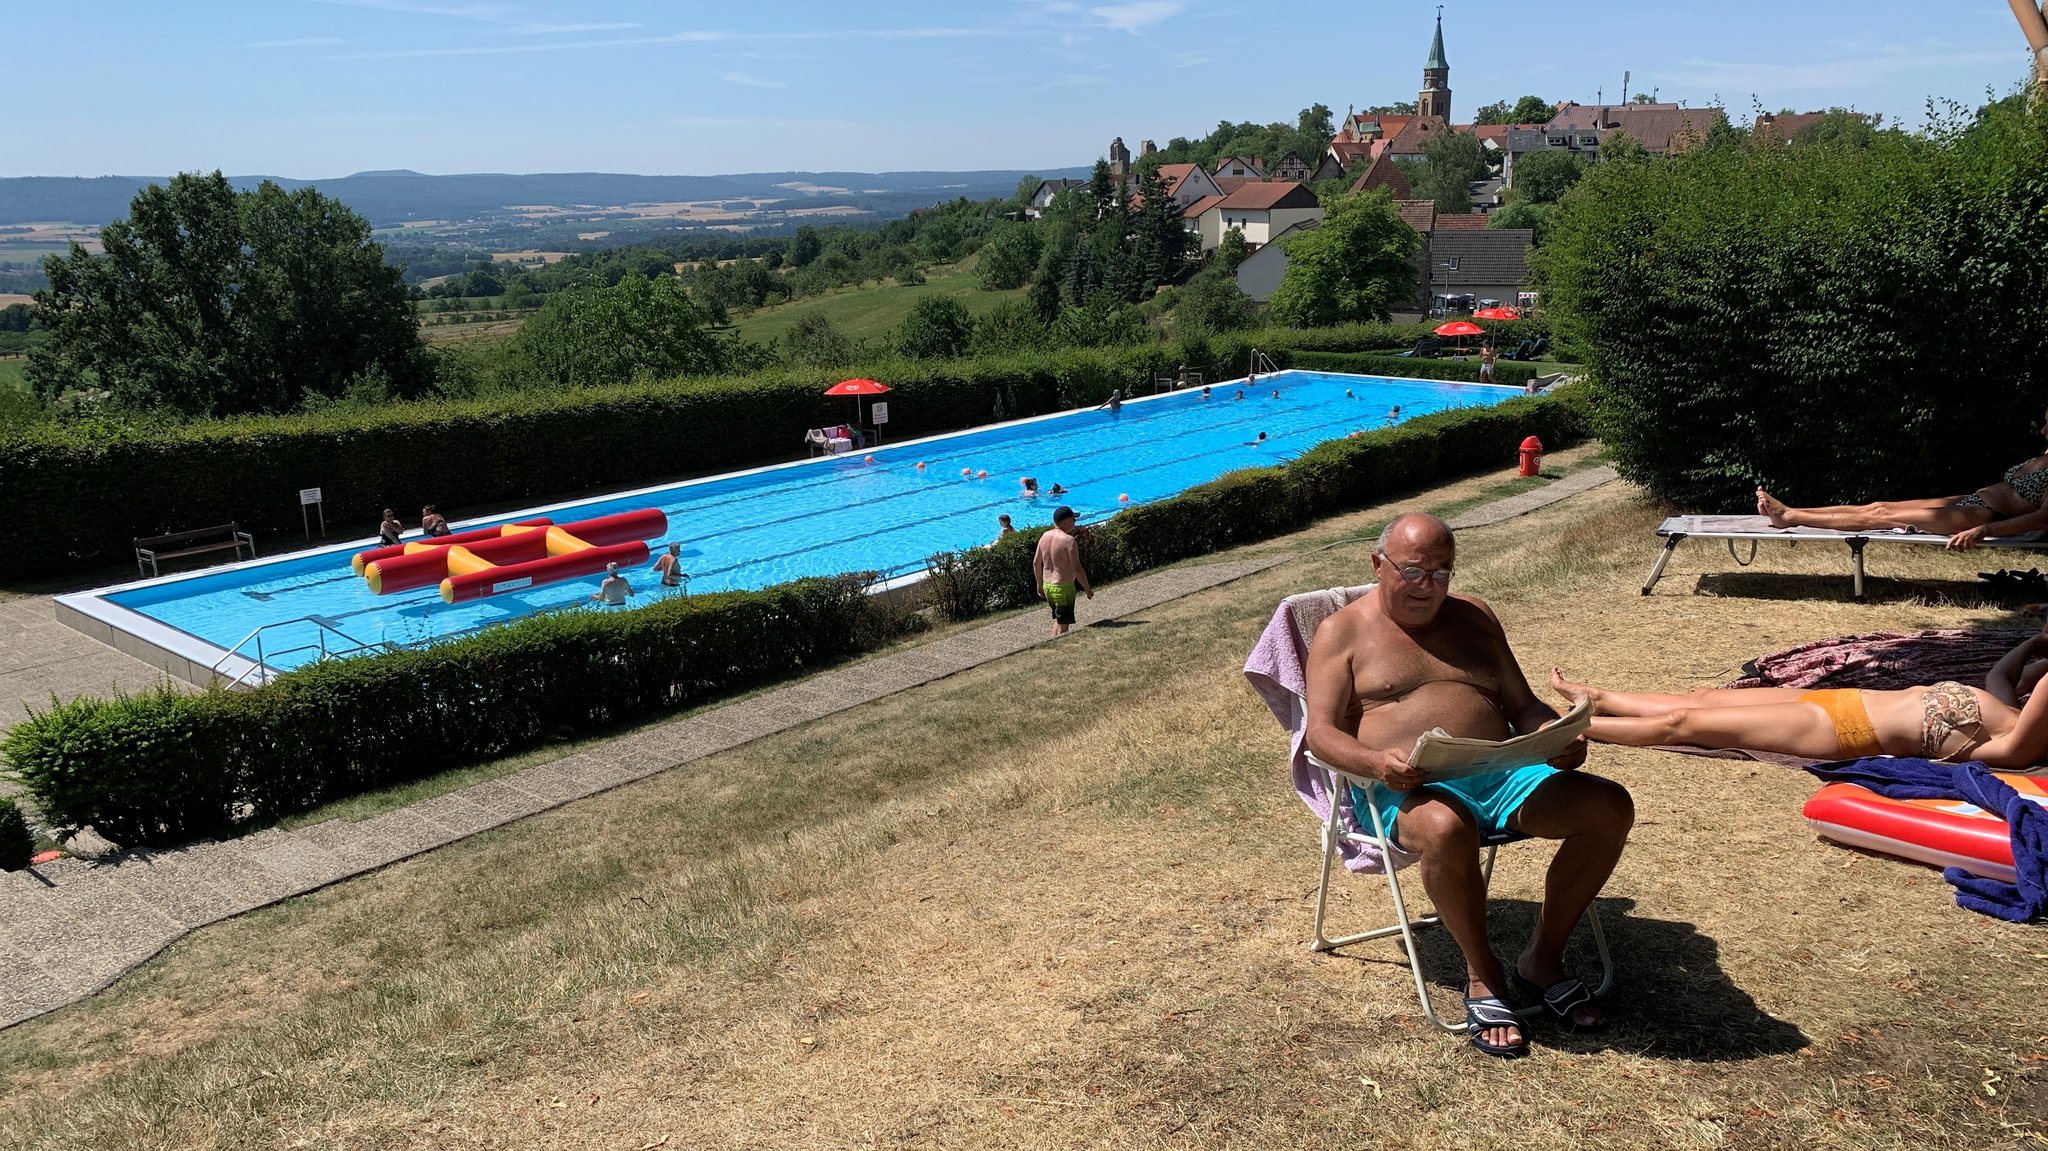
x,y
1560,999
1486,1012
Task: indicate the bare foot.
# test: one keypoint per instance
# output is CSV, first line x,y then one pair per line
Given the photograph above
x,y
1771,508
1573,692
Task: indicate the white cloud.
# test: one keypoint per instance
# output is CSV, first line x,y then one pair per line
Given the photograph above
x,y
746,81
1190,59
1072,80
565,29
1132,17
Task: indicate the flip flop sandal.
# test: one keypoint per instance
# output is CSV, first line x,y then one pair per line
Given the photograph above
x,y
1560,999
1485,1013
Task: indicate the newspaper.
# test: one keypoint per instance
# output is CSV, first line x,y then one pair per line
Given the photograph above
x,y
1442,756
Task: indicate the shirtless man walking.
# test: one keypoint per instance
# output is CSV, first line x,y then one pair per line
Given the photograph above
x,y
1056,569
1408,657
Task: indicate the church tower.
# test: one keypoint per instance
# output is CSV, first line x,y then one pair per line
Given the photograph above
x,y
1435,97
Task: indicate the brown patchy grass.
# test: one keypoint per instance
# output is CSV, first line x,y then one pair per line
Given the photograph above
x,y
1062,900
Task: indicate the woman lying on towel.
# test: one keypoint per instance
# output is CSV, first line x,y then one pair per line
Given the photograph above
x,y
2013,506
2004,725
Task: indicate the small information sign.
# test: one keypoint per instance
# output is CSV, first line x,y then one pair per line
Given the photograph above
x,y
309,496
879,413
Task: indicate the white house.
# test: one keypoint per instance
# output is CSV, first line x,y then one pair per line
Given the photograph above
x,y
1261,211
1260,274
1042,198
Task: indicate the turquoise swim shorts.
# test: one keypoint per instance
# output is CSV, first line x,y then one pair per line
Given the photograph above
x,y
1491,799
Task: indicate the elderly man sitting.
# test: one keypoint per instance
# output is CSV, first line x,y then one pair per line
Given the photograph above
x,y
1409,657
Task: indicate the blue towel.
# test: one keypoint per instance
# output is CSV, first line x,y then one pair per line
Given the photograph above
x,y
1906,778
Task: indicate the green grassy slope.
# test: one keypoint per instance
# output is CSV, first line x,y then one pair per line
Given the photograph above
x,y
873,312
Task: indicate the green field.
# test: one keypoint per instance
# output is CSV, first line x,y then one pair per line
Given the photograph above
x,y
12,377
873,312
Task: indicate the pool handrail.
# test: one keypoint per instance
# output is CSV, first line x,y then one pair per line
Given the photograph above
x,y
260,667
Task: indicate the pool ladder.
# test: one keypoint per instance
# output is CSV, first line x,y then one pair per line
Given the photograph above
x,y
260,671
1262,364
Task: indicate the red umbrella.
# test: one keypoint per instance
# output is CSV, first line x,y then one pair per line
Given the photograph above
x,y
1496,314
857,389
1459,328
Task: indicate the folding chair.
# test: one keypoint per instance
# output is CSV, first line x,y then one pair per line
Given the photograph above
x,y
1336,832
1404,926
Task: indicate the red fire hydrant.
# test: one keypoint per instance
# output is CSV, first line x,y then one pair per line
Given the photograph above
x,y
1532,457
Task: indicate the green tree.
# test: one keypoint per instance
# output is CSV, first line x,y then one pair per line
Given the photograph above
x,y
1622,148
1531,110
805,246
213,301
1450,162
938,327
1494,113
1027,187
637,329
1012,326
1520,213
1212,302
815,342
1231,251
1008,257
1103,193
1402,108
1355,266
1543,177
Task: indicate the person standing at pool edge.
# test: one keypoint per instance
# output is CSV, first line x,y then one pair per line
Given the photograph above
x,y
1056,569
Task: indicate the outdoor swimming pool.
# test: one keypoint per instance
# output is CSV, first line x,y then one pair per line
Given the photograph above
x,y
816,517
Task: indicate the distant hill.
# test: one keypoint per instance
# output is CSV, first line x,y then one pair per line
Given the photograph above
x,y
394,197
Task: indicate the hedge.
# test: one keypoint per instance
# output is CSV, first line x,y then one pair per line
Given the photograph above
x,y
164,766
1259,503
1510,372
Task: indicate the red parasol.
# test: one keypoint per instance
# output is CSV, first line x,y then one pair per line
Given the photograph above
x,y
1496,314
1459,328
857,389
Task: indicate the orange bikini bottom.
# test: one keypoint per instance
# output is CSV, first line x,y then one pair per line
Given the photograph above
x,y
1854,737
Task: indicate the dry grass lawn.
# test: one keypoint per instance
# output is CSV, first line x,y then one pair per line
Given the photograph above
x,y
1061,900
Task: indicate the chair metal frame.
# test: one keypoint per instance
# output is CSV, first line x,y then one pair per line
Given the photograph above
x,y
1332,835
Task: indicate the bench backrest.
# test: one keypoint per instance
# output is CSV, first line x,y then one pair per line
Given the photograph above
x,y
227,529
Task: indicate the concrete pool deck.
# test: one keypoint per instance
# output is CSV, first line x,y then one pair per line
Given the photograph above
x,y
71,928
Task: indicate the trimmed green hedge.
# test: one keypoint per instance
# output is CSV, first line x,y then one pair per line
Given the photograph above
x,y
1259,503
164,766
1509,372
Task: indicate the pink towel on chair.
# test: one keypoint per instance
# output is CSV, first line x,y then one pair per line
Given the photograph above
x,y
1278,671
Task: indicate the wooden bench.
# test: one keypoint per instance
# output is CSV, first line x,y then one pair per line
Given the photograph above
x,y
150,549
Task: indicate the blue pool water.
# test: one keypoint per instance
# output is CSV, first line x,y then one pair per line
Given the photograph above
x,y
834,515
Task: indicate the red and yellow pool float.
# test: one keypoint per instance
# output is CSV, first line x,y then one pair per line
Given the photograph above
x,y
511,557
1942,832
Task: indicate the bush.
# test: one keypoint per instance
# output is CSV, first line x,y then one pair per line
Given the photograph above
x,y
1259,503
164,767
1838,323
17,846
1508,372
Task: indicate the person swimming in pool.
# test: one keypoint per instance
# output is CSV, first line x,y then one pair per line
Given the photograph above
x,y
2004,724
2015,505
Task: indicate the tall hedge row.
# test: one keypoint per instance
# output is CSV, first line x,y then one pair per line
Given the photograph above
x,y
164,766
1838,322
76,495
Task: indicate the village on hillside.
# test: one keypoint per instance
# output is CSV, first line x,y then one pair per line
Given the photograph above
x,y
1468,259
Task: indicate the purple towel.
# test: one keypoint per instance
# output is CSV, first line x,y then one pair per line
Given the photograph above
x,y
1278,671
1907,778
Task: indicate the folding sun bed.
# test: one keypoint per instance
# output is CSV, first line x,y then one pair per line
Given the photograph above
x,y
1678,529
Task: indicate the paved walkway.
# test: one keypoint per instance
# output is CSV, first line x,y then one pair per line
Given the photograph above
x,y
70,928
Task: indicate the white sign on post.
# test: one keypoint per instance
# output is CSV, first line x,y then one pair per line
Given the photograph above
x,y
879,413
309,496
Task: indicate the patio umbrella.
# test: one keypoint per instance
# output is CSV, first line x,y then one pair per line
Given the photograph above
x,y
1460,328
857,389
1496,314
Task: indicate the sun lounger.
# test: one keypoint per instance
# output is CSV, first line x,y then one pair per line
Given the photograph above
x,y
1678,529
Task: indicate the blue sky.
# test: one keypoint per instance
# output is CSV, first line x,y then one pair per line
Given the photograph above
x,y
315,88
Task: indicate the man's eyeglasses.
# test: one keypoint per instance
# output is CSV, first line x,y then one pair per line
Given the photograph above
x,y
1415,573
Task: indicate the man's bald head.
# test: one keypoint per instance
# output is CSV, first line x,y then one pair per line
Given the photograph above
x,y
1418,530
